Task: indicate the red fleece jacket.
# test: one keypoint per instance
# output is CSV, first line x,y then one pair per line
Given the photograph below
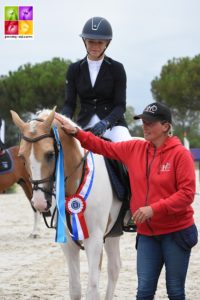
x,y
163,178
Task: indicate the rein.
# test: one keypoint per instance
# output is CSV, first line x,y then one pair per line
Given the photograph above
x,y
52,219
79,164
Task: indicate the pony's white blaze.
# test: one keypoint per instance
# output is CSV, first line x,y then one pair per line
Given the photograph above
x,y
38,199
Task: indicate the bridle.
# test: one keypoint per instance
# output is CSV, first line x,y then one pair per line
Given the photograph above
x,y
36,183
49,179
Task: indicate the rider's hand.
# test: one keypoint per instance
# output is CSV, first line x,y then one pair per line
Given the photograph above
x,y
100,128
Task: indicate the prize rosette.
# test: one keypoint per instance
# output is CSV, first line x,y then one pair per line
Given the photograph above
x,y
75,206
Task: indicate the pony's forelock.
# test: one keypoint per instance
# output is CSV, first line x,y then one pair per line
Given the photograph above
x,y
39,114
32,127
69,120
45,112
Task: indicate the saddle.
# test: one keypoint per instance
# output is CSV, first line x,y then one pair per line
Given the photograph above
x,y
6,162
119,179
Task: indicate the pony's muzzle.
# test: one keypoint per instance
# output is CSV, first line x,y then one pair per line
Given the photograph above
x,y
39,204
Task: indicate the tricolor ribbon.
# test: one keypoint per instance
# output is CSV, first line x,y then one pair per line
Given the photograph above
x,y
60,192
76,204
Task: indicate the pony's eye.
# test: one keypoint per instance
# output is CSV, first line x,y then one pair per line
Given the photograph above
x,y
49,156
21,156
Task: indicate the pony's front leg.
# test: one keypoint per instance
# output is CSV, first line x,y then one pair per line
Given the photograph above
x,y
71,252
36,225
94,251
112,249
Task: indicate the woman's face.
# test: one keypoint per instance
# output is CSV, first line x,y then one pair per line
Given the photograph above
x,y
155,132
95,48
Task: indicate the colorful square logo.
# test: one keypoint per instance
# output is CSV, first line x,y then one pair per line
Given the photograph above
x,y
11,27
18,22
26,13
11,13
25,27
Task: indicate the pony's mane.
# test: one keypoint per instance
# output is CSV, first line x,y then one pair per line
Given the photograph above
x,y
45,112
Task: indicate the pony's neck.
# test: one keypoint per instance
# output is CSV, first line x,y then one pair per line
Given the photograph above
x,y
73,154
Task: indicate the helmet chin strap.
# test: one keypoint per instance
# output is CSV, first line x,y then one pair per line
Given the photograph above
x,y
101,52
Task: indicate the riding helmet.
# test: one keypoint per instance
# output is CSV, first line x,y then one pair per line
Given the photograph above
x,y
97,28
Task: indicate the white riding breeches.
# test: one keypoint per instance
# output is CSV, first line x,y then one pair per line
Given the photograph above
x,y
118,134
115,134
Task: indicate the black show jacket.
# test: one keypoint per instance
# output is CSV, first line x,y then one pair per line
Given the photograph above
x,y
106,99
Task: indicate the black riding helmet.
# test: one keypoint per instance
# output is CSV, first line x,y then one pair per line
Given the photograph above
x,y
97,28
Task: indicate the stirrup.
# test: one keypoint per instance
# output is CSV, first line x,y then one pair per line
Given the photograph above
x,y
128,224
130,228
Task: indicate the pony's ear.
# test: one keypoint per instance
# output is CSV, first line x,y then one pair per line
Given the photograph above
x,y
49,120
18,121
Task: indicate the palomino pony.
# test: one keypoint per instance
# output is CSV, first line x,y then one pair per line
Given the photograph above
x,y
102,208
18,174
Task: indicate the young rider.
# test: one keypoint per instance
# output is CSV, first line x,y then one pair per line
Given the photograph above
x,y
100,84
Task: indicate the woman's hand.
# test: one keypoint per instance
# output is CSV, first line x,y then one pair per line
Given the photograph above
x,y
142,214
69,129
66,126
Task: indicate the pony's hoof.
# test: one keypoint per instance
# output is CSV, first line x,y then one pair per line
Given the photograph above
x,y
34,236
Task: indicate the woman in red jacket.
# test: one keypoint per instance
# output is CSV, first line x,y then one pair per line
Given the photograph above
x,y
162,179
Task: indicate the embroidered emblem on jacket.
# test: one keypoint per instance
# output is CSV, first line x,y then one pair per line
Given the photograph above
x,y
165,167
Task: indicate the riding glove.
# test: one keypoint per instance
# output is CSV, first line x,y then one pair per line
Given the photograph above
x,y
100,127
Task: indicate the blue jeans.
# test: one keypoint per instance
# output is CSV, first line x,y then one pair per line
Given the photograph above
x,y
152,254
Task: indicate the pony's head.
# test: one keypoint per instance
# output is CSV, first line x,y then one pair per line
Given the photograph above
x,y
38,150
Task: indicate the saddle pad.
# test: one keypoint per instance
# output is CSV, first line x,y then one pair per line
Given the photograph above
x,y
6,162
119,179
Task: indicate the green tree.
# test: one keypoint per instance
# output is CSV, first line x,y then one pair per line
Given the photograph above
x,y
135,130
179,87
178,84
31,88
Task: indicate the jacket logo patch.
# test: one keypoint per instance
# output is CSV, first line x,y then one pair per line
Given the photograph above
x,y
165,167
